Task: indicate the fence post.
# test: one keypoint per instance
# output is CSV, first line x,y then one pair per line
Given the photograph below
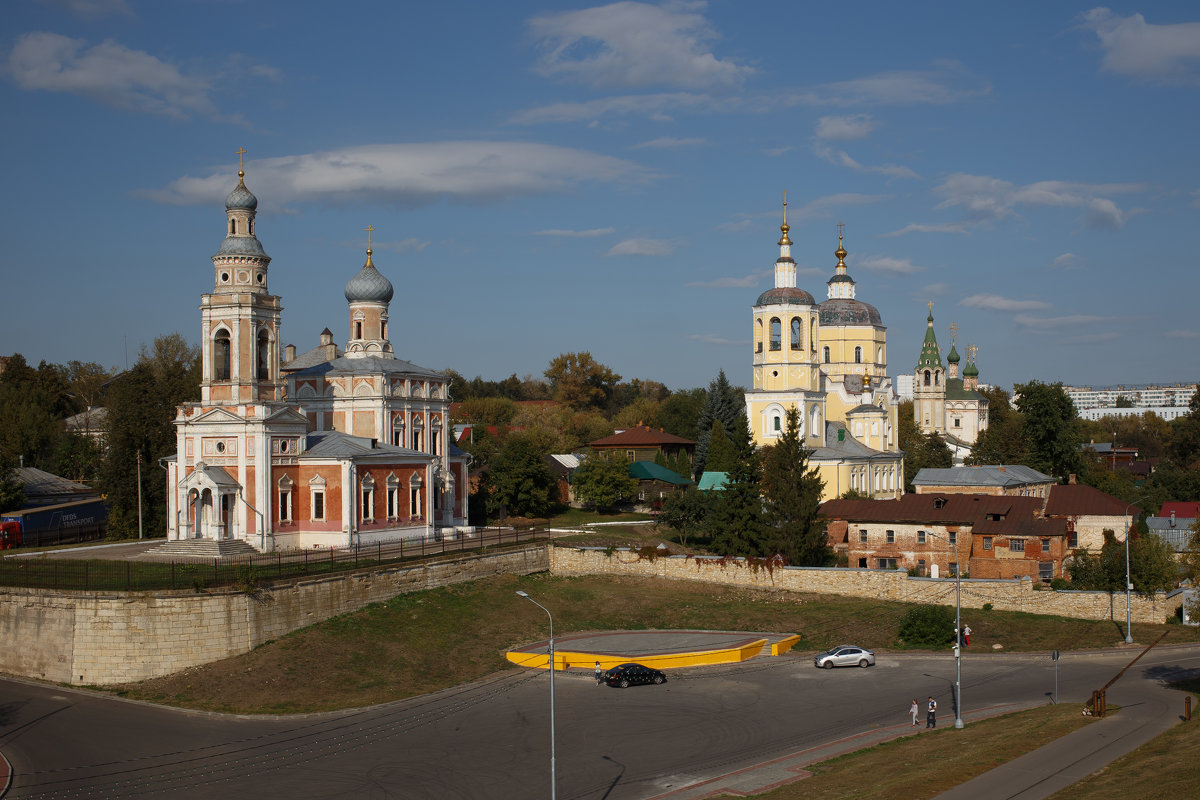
x,y
172,573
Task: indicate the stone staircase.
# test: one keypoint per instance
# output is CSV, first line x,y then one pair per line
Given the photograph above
x,y
200,549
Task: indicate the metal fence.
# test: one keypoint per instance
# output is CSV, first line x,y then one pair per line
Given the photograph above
x,y
245,572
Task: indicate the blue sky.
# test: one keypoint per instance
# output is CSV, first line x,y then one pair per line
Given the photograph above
x,y
549,177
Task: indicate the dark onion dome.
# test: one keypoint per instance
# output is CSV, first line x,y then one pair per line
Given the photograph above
x,y
785,295
844,311
953,358
241,246
369,286
241,197
971,371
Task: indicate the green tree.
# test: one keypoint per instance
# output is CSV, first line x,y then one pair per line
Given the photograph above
x,y
1184,446
12,493
920,450
1003,441
1152,565
1050,428
33,404
929,626
1123,402
679,413
793,497
721,454
725,403
518,480
687,513
736,526
579,381
142,404
603,482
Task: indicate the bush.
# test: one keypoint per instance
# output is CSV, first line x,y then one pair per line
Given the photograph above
x,y
927,625
988,606
1058,584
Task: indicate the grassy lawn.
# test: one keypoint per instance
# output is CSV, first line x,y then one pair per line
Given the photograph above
x,y
927,764
430,640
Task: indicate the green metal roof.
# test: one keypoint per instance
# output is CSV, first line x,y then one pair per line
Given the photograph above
x,y
649,471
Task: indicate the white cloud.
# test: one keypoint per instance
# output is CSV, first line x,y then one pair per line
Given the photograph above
x,y
1140,50
945,82
1067,261
413,174
842,158
887,265
108,73
1182,334
642,247
654,106
1050,323
945,227
669,141
586,234
748,281
985,198
995,302
709,338
775,152
629,44
854,126
93,8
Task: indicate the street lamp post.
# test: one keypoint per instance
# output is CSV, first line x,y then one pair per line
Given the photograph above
x,y
958,720
1128,580
553,771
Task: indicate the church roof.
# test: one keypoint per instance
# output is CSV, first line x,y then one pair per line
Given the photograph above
x,y
785,295
955,391
845,311
370,365
369,285
241,246
335,444
311,358
931,354
842,445
241,197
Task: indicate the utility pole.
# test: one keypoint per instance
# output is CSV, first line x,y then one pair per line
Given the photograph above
x,y
139,471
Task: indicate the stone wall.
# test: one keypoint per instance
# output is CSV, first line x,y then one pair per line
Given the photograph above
x,y
116,637
1024,594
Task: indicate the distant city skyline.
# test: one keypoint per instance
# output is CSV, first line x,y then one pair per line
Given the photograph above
x,y
546,177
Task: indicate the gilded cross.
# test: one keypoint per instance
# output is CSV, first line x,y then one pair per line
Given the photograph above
x,y
368,229
930,308
841,229
953,332
785,207
972,351
241,152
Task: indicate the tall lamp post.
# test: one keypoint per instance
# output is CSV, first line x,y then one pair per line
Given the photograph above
x,y
553,772
1128,579
958,720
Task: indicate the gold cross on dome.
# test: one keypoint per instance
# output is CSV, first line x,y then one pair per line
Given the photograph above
x,y
241,152
841,229
785,206
953,332
972,351
368,229
930,306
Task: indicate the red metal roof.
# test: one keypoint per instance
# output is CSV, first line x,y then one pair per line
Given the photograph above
x,y
640,435
1182,510
955,509
1079,500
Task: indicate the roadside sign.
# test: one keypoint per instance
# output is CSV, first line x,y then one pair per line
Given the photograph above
x,y
1054,655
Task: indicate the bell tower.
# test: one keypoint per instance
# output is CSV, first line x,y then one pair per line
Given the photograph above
x,y
240,317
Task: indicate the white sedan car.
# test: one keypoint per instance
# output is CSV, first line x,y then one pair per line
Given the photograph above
x,y
845,655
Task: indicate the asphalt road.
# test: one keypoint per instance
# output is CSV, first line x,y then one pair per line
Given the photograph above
x,y
490,739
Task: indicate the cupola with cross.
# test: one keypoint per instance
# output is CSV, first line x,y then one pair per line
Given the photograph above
x,y
369,294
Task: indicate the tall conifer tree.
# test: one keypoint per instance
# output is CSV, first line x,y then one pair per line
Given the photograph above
x,y
793,496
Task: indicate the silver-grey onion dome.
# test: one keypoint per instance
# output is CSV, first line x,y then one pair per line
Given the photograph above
x,y
369,285
241,197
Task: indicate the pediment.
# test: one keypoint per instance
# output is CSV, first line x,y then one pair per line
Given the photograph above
x,y
216,416
288,415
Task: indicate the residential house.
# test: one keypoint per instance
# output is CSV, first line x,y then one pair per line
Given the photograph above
x,y
1091,512
1173,524
643,443
1013,480
655,483
995,536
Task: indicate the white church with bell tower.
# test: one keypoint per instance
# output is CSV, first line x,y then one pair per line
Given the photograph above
x,y
329,448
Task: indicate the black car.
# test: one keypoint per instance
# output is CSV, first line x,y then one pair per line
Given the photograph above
x,y
625,675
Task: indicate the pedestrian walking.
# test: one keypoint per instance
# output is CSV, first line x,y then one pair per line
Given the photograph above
x,y
915,711
931,714
966,635
599,674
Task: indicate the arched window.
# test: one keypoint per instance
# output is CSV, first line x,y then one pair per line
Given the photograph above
x,y
264,356
858,355
826,354
812,335
233,226
797,334
221,355
776,334
775,423
758,335
927,377
937,377
357,330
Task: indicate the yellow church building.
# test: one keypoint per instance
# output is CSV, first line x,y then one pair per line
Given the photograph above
x,y
829,361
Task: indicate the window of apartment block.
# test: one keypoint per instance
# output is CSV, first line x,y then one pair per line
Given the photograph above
x,y
862,535
891,537
1016,545
987,543
920,537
